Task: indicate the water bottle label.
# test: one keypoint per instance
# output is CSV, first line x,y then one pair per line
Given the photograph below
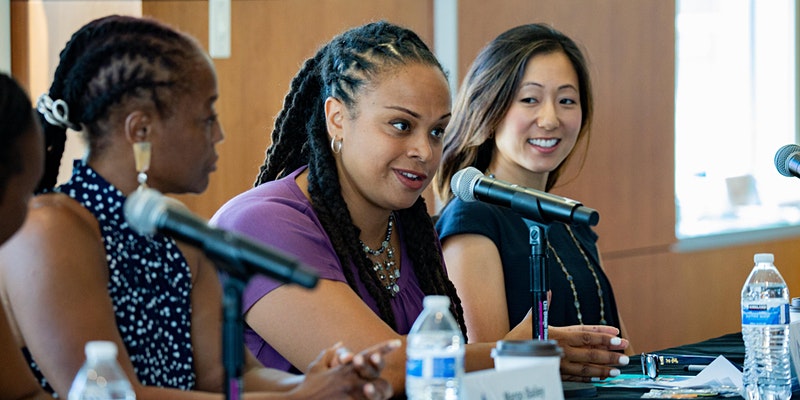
x,y
431,367
762,314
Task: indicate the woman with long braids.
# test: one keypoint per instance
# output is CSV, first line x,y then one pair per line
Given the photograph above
x,y
21,166
358,140
143,95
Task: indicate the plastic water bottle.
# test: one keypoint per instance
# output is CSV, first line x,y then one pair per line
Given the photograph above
x,y
100,377
435,351
765,330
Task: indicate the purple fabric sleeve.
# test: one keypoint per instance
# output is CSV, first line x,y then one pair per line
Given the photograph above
x,y
272,214
278,214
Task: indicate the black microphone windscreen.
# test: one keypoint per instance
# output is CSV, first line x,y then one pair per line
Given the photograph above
x,y
463,183
783,155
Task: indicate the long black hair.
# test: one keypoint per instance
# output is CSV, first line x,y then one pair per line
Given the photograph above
x,y
16,119
488,90
341,69
107,61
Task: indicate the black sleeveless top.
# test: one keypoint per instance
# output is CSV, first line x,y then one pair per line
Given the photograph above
x,y
509,232
150,286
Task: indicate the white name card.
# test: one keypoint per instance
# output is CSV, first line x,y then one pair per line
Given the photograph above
x,y
539,382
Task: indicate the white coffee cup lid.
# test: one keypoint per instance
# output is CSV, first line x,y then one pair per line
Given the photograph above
x,y
527,348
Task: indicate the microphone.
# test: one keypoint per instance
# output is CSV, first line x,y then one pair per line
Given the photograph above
x,y
469,184
787,160
148,211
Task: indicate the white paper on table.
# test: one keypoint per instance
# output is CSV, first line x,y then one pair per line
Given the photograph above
x,y
720,373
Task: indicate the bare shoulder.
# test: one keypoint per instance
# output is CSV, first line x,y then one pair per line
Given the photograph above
x,y
199,264
57,232
53,210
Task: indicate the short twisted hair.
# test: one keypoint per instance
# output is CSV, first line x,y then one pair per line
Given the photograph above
x,y
108,62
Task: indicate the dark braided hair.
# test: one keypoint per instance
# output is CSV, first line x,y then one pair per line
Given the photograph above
x,y
341,69
107,62
16,119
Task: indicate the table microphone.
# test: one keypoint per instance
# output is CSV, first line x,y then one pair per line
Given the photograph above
x,y
787,160
148,211
469,184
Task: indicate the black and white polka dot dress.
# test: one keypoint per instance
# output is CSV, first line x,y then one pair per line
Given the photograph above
x,y
149,284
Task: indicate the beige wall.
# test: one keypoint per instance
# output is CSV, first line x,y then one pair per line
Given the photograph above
x,y
5,36
665,298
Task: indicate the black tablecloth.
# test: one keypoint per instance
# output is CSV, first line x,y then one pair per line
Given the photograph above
x,y
731,346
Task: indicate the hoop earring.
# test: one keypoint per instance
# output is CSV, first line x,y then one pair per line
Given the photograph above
x,y
336,145
141,153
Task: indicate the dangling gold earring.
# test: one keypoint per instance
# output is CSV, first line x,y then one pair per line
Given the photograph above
x,y
141,153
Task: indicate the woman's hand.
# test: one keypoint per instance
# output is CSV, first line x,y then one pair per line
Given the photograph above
x,y
590,351
368,363
339,374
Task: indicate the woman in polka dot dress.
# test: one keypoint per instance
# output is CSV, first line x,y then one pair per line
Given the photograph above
x,y
77,272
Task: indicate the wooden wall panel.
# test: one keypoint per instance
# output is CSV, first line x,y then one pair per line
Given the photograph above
x,y
19,43
270,41
667,299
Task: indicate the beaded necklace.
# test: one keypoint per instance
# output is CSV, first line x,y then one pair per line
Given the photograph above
x,y
570,280
387,269
572,283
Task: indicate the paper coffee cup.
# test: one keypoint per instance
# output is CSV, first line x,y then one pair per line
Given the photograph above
x,y
794,310
512,354
794,334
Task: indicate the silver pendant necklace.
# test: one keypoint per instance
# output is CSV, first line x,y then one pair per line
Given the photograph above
x,y
385,266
